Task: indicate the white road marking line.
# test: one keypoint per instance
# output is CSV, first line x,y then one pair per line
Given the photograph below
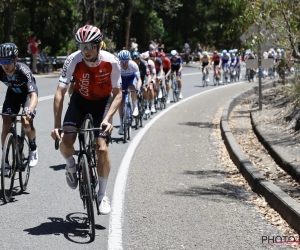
x,y
116,216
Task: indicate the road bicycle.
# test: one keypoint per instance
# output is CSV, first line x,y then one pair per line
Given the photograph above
x,y
215,78
204,77
15,158
86,168
163,99
127,116
142,109
174,87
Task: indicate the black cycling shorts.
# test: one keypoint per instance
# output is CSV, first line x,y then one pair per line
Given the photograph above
x,y
175,69
79,107
13,103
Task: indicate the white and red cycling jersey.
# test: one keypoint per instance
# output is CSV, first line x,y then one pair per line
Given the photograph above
x,y
92,82
151,67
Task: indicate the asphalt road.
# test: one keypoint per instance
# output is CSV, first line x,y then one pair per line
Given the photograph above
x,y
176,195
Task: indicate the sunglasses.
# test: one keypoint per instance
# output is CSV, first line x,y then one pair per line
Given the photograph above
x,y
6,61
124,61
152,57
87,46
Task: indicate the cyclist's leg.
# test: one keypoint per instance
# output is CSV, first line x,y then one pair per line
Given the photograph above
x,y
124,87
178,74
134,96
31,134
73,119
151,94
207,71
146,94
167,83
158,84
103,163
10,105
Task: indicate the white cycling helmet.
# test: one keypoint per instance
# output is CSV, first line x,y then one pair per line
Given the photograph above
x,y
145,55
174,52
88,33
204,53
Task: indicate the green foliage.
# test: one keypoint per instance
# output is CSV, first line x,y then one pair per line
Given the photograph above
x,y
217,24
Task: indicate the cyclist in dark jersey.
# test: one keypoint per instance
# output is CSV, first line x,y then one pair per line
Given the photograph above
x,y
143,66
21,91
176,67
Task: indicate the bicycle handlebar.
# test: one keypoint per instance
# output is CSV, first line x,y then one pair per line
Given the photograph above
x,y
82,130
15,115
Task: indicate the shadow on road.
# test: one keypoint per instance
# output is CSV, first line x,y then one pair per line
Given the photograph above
x,y
74,228
199,124
206,173
58,167
218,193
16,192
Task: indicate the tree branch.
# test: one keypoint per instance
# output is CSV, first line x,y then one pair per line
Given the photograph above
x,y
295,53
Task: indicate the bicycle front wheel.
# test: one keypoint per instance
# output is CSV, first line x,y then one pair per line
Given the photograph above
x,y
125,123
88,195
89,137
8,167
25,169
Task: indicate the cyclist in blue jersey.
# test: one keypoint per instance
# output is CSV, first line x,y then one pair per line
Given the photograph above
x,y
176,66
21,91
232,61
225,58
131,79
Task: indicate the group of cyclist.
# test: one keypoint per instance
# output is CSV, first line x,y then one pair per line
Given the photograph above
x,y
94,79
143,72
229,62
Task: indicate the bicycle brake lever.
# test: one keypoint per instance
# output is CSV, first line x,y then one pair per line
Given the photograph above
x,y
108,137
57,141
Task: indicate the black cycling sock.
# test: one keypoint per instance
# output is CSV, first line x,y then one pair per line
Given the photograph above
x,y
32,144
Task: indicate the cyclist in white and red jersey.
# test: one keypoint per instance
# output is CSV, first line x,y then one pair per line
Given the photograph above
x,y
159,70
148,89
166,67
97,91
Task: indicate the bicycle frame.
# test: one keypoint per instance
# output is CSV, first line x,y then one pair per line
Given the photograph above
x,y
175,87
14,143
87,173
127,115
18,139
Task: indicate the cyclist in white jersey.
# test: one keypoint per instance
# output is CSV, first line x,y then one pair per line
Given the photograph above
x,y
131,79
148,89
97,77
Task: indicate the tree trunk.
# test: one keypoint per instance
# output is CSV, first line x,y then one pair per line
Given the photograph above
x,y
128,24
8,15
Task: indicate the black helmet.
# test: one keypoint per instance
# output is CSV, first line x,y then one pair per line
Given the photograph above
x,y
8,50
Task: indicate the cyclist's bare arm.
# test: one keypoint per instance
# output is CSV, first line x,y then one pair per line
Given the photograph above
x,y
57,108
169,72
116,102
33,101
70,88
154,77
180,68
139,83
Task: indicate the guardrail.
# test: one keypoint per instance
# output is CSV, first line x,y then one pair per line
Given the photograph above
x,y
46,64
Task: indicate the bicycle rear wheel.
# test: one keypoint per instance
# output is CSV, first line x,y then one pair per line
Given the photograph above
x,y
8,167
164,97
25,169
125,124
88,195
141,111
